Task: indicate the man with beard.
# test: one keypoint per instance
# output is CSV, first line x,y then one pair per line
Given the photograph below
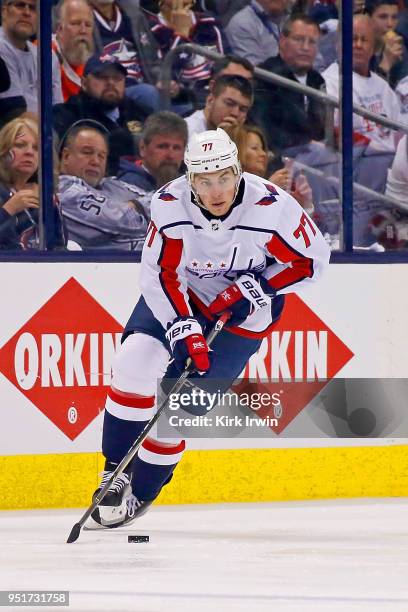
x,y
98,212
161,149
102,98
73,43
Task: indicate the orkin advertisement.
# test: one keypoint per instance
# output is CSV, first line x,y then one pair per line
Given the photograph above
x,y
62,325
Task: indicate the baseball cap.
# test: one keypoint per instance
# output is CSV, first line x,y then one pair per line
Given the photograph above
x,y
99,63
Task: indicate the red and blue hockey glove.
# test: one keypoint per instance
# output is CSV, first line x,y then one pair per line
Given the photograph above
x,y
242,298
186,339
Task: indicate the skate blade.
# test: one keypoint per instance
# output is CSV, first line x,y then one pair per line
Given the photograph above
x,y
106,517
92,525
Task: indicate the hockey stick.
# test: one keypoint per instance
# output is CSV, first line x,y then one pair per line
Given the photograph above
x,y
76,529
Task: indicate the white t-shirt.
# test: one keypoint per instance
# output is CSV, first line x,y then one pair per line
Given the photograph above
x,y
24,78
402,94
397,179
375,95
196,123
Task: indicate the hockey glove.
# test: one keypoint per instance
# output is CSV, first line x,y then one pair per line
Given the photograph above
x,y
242,298
186,339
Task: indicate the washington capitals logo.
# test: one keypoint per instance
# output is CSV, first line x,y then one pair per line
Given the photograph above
x,y
166,196
268,199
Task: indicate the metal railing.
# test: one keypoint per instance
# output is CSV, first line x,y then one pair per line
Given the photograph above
x,y
46,128
270,77
345,183
357,187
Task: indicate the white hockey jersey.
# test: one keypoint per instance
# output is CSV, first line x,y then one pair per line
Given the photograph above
x,y
188,256
374,94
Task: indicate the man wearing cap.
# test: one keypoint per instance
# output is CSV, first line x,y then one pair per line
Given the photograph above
x,y
102,98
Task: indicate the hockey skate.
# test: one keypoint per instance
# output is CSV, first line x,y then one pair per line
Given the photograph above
x,y
119,506
112,509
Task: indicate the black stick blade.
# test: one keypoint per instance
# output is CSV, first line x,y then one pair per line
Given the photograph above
x,y
74,535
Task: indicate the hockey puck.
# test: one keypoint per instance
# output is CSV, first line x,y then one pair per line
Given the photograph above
x,y
137,538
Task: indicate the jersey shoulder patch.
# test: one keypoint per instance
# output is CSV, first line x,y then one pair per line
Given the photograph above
x,y
166,196
270,197
168,204
168,193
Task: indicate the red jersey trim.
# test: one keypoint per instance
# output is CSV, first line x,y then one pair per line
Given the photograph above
x,y
169,260
161,448
131,400
302,266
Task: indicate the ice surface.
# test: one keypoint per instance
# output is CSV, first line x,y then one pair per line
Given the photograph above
x,y
337,555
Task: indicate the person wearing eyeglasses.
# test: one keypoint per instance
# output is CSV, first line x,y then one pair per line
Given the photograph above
x,y
19,26
289,118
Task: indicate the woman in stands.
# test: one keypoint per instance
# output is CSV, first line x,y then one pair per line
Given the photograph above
x,y
19,194
256,159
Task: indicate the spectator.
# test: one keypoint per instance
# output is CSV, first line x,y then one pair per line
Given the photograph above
x,y
287,117
227,106
19,196
102,98
254,155
122,30
397,178
325,13
177,24
233,65
391,59
222,9
161,147
99,212
73,43
253,32
369,90
390,226
227,65
19,25
358,6
374,144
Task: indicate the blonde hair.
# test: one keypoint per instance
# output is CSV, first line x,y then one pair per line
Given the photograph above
x,y
241,140
8,136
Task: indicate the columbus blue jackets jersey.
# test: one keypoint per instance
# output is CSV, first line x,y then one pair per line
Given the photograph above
x,y
189,257
189,68
113,215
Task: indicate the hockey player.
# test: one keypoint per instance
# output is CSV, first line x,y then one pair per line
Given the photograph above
x,y
219,239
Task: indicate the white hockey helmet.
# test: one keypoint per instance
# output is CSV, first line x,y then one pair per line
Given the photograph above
x,y
211,151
